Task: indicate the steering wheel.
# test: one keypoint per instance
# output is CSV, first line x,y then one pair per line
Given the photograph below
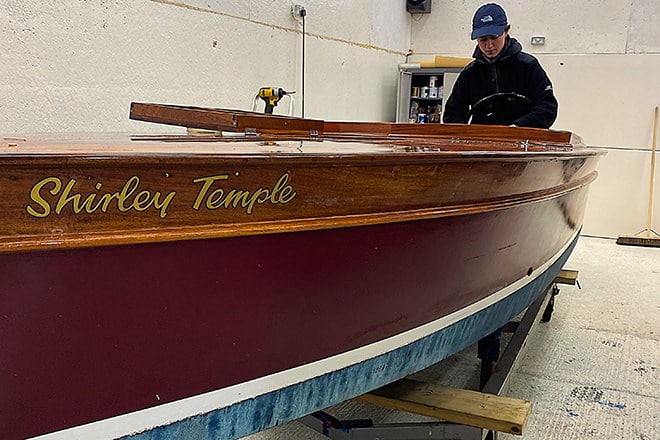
x,y
499,109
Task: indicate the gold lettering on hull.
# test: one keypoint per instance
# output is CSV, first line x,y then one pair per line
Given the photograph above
x,y
51,196
280,193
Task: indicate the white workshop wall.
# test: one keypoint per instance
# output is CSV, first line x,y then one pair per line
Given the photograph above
x,y
603,57
76,65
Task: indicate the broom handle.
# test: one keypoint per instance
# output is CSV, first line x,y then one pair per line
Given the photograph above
x,y
650,207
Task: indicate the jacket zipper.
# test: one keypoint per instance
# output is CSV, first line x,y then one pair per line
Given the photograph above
x,y
494,78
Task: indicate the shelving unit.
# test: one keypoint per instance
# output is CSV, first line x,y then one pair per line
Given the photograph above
x,y
421,93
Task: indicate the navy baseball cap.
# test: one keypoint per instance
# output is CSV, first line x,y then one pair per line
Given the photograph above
x,y
490,19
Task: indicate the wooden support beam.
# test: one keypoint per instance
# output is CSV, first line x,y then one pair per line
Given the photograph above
x,y
467,407
567,276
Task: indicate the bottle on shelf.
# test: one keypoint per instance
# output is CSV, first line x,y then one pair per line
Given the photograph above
x,y
414,111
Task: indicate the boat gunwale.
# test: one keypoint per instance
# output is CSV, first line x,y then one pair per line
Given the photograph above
x,y
43,242
399,155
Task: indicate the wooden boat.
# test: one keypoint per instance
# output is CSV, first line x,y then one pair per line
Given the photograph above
x,y
209,285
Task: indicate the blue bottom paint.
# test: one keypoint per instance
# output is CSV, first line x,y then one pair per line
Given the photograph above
x,y
293,402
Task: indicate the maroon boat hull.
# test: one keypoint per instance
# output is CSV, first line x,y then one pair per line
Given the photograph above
x,y
155,282
117,329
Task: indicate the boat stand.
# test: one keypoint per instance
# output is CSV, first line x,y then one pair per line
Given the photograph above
x,y
469,415
340,430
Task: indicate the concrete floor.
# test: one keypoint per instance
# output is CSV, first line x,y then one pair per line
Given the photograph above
x,y
591,372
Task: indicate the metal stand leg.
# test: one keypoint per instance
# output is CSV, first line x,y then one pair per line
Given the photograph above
x,y
488,350
547,313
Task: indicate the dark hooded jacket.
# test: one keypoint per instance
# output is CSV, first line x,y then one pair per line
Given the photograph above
x,y
511,71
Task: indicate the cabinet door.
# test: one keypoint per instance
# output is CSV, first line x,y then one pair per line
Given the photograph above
x,y
449,79
403,96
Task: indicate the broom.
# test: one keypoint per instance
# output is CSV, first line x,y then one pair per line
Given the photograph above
x,y
644,237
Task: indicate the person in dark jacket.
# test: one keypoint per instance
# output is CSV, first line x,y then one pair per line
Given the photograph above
x,y
500,66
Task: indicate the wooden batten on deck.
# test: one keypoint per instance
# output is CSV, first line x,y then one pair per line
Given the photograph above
x,y
249,122
223,119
